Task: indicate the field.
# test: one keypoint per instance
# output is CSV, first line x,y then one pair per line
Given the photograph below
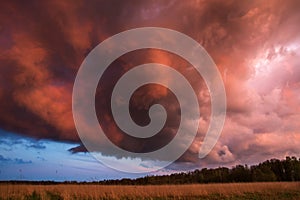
x,y
274,190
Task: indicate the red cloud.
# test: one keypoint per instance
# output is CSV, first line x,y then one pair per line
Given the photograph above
x,y
42,45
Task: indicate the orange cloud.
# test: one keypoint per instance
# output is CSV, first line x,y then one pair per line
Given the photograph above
x,y
43,44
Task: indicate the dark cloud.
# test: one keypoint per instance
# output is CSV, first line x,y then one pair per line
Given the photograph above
x,y
78,149
42,45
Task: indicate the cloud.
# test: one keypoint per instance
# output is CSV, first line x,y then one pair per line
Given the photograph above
x,y
254,44
10,141
36,146
5,160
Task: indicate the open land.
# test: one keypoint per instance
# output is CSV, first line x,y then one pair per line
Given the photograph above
x,y
262,190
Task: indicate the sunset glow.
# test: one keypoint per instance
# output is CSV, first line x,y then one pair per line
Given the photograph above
x,y
255,45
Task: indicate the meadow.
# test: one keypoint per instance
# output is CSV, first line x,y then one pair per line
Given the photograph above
x,y
262,190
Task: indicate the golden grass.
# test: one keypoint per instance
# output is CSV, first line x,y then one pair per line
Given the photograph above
x,y
19,191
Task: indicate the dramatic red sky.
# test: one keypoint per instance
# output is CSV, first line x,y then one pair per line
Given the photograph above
x,y
255,45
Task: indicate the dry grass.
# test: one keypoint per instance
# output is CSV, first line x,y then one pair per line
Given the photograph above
x,y
195,191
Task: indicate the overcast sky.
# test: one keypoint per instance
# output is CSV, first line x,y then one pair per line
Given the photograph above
x,y
255,45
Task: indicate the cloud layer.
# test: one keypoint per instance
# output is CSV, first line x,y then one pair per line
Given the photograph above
x,y
255,45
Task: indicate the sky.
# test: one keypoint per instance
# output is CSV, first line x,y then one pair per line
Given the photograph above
x,y
255,45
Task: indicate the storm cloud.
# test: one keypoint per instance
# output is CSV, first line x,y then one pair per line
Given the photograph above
x,y
255,45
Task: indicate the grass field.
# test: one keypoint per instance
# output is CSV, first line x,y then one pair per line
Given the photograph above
x,y
274,190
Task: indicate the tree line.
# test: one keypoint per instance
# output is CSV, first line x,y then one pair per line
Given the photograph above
x,y
270,170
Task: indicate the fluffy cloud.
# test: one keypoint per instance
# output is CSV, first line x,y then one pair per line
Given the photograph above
x,y
254,44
